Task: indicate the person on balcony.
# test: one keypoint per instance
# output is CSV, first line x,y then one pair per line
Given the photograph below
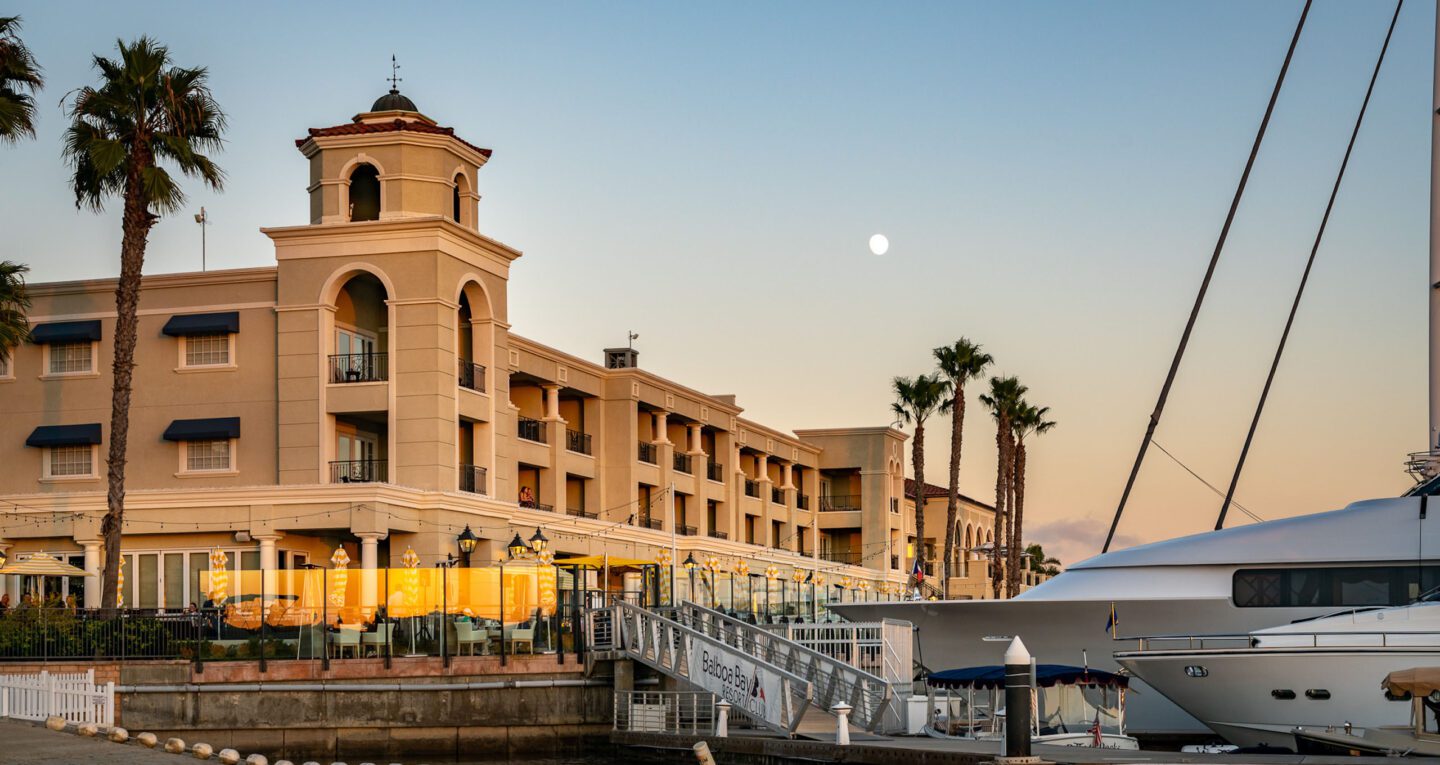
x,y
527,497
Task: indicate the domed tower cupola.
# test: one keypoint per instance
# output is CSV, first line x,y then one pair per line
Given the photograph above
x,y
391,162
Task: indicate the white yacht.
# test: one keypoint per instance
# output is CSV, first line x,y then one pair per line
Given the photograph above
x,y
1375,553
1256,689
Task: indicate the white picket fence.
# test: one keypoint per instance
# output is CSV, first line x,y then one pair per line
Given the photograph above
x,y
71,695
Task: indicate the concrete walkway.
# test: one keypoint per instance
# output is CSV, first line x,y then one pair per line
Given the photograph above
x,y
34,744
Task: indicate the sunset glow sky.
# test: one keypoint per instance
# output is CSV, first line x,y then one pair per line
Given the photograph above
x,y
1051,177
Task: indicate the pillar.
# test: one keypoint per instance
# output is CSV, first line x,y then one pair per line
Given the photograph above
x,y
662,435
92,566
552,401
369,561
695,439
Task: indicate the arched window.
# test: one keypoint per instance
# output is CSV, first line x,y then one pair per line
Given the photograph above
x,y
364,193
455,198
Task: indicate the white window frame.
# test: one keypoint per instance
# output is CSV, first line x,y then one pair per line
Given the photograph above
x,y
182,365
91,372
7,364
48,476
184,470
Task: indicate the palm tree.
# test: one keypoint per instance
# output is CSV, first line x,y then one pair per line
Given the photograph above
x,y
1040,562
959,364
14,303
144,111
19,79
1027,420
915,400
1005,394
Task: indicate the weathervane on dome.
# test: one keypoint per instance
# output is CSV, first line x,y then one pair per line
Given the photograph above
x,y
394,77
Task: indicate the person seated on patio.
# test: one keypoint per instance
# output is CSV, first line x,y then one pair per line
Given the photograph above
x,y
4,604
527,497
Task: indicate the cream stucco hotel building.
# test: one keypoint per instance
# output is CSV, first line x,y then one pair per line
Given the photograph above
x,y
367,391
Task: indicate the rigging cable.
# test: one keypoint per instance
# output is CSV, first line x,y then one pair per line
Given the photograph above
x,y
1305,276
1208,485
1205,283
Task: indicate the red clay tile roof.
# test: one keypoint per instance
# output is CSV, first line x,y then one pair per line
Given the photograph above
x,y
932,491
362,128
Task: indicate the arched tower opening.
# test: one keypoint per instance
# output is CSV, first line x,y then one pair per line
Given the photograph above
x,y
364,193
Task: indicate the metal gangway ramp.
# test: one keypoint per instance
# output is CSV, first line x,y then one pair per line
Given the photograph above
x,y
767,677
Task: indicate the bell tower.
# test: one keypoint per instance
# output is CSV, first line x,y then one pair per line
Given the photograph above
x,y
389,163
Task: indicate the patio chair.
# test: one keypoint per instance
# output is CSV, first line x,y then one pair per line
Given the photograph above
x,y
345,639
468,636
517,636
384,633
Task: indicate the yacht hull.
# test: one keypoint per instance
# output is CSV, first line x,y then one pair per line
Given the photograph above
x,y
952,634
1234,696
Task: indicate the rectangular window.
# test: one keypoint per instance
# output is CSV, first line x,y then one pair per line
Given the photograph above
x,y
207,350
174,581
70,358
72,461
207,456
5,364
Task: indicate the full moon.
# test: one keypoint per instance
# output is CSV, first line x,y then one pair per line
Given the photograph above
x,y
879,244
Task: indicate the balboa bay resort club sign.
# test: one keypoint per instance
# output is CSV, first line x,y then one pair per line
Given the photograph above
x,y
733,677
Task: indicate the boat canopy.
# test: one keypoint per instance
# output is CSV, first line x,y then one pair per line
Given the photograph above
x,y
1419,681
1046,675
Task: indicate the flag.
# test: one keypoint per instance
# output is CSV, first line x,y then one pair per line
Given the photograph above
x,y
916,573
1113,622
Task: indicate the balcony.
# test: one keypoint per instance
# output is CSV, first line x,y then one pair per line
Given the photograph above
x,y
847,557
683,464
359,368
578,513
358,471
686,531
802,501
777,495
715,471
646,522
647,453
533,505
577,442
752,488
472,376
714,534
895,505
530,429
838,503
473,479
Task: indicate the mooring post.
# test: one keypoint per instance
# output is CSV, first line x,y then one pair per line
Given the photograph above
x,y
702,753
1017,700
722,719
842,723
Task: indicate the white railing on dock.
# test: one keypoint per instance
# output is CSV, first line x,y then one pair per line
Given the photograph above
x,y
71,695
689,713
1404,640
883,648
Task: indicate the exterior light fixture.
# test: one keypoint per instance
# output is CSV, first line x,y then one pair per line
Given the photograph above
x,y
690,563
516,547
467,540
538,542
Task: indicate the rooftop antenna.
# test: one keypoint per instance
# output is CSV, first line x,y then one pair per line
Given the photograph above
x,y
394,78
203,220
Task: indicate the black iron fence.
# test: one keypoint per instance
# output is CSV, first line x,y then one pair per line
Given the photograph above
x,y
474,479
647,452
777,496
359,367
715,471
752,488
472,376
578,442
802,501
682,463
64,633
358,471
834,503
530,429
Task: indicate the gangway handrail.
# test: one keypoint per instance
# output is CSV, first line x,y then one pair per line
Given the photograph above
x,y
656,641
868,694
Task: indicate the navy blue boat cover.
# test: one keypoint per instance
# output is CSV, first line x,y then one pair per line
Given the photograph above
x,y
1046,675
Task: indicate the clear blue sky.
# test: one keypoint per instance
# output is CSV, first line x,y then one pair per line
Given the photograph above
x,y
1051,176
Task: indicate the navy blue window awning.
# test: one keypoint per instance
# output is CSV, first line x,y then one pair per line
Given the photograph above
x,y
203,430
64,435
203,324
65,332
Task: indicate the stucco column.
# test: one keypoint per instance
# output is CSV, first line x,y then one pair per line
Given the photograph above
x,y
552,401
695,440
92,566
369,561
785,474
662,435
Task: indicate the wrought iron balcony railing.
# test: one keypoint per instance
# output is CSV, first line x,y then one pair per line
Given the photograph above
x,y
802,501
851,558
836,503
752,488
686,531
359,367
647,452
777,495
530,429
579,513
472,376
682,463
717,534
473,478
715,471
576,441
358,471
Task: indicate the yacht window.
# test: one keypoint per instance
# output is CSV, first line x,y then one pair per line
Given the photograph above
x,y
1319,694
1283,694
1258,588
1332,586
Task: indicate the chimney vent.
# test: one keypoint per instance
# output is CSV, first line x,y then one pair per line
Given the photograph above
x,y
622,358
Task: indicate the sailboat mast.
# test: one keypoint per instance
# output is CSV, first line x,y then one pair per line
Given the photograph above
x,y
1433,439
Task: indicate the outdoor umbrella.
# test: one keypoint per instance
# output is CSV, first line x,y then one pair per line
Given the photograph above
x,y
41,564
